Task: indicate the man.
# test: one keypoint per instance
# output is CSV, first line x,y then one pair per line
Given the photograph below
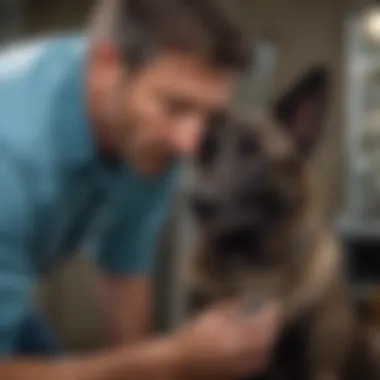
x,y
93,130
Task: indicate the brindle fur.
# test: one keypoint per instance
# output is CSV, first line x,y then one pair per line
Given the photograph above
x,y
319,338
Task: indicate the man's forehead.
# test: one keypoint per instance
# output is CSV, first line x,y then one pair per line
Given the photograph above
x,y
215,93
188,62
193,71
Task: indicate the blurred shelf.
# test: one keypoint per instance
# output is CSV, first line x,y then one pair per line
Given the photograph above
x,y
362,228
363,290
11,19
360,238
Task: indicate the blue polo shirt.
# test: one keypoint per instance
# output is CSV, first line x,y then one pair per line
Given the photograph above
x,y
56,192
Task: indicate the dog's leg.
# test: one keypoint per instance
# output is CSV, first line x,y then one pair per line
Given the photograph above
x,y
364,359
331,334
291,356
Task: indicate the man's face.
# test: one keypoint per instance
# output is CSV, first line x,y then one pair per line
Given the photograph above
x,y
159,112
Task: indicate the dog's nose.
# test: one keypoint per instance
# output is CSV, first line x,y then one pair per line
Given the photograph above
x,y
205,207
240,239
236,239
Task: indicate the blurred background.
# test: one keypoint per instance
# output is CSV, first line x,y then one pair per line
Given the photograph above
x,y
344,34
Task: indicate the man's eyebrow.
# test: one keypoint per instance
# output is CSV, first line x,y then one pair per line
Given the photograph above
x,y
169,94
173,93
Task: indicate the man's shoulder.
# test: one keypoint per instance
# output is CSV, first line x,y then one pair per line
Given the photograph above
x,y
31,74
19,61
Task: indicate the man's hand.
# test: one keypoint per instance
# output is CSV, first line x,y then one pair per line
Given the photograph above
x,y
224,342
221,343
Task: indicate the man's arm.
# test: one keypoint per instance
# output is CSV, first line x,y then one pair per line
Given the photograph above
x,y
126,258
154,361
217,344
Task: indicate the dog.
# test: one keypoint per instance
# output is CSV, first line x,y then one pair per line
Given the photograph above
x,y
261,235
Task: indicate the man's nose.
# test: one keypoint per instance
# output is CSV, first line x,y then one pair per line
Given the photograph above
x,y
186,136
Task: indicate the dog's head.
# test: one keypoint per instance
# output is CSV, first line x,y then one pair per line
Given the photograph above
x,y
249,189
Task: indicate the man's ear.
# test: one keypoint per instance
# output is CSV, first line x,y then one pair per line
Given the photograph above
x,y
302,108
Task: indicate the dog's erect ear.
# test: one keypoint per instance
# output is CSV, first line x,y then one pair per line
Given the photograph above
x,y
301,109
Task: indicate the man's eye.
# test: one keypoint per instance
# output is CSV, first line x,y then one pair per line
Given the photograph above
x,y
178,106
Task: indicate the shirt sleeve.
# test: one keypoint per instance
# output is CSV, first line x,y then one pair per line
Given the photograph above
x,y
15,268
128,246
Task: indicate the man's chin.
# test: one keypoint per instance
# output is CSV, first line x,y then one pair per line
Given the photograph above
x,y
151,167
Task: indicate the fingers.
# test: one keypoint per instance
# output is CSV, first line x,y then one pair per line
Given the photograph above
x,y
258,332
242,342
251,364
226,310
267,317
227,306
